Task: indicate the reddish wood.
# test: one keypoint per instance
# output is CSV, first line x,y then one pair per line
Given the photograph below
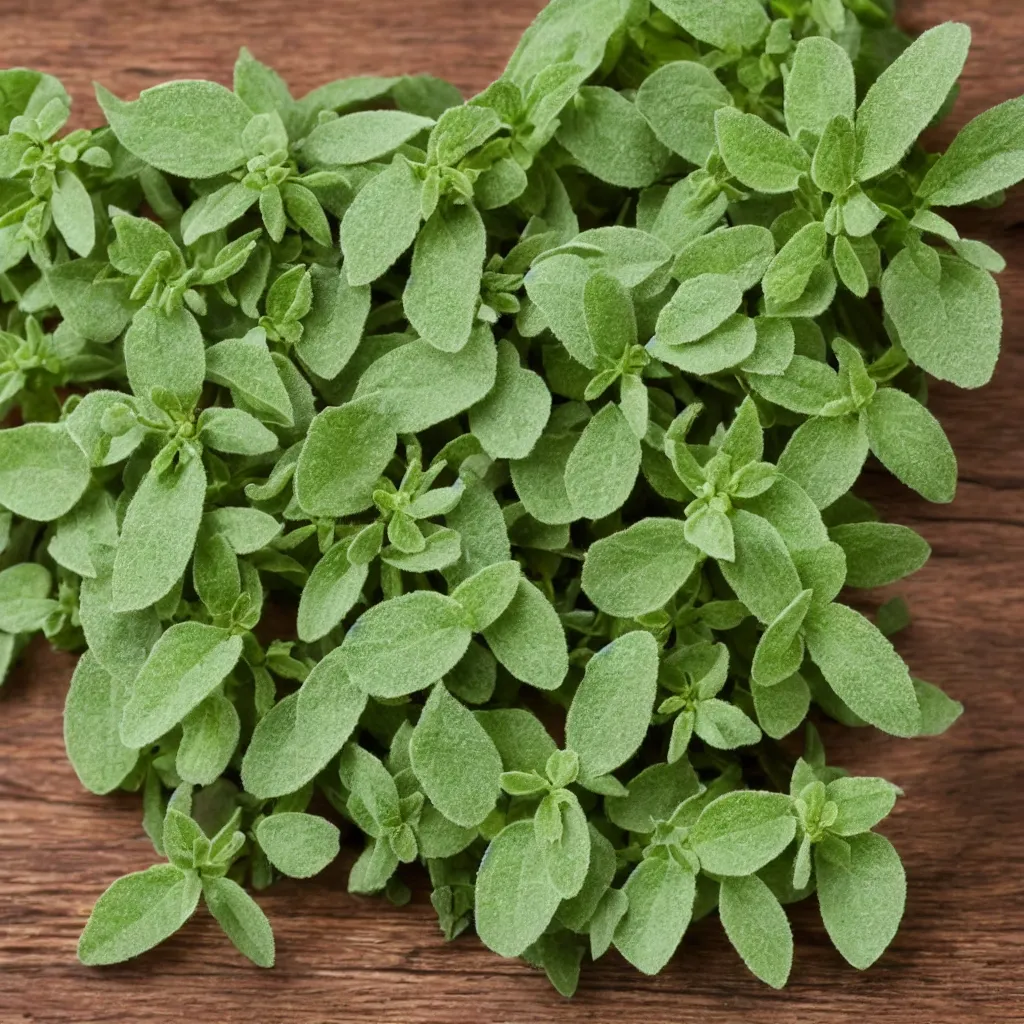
x,y
959,955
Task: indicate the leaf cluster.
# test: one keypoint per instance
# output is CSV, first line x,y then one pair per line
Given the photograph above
x,y
543,413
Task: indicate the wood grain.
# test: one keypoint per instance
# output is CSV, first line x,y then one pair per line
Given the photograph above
x,y
960,954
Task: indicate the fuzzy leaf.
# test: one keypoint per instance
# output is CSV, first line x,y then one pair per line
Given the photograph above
x,y
861,902
611,711
137,913
455,760
298,845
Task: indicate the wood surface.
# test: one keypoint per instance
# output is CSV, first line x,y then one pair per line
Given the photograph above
x,y
959,956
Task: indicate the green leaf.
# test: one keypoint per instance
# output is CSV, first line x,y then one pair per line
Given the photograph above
x,y
861,902
158,534
416,386
757,928
825,456
362,137
789,275
637,570
303,207
165,350
744,440
611,711
725,347
43,472
189,128
727,24
209,737
187,663
609,138
567,857
760,156
240,916
481,527
138,242
950,327
986,156
345,452
381,223
528,639
374,868
85,425
566,30
880,553
120,641
332,590
631,255
460,130
851,270
820,86
724,726
333,328
443,290
556,286
910,442
298,845
405,644
862,803
73,214
653,795
906,96
806,387
442,548
261,88
522,741
835,159
608,311
601,470
509,421
659,894
609,912
245,366
699,306
296,739
92,719
373,794
577,912
25,601
245,529
137,913
487,594
743,253
710,530
217,210
514,902
787,507
938,711
679,101
863,669
739,833
783,707
455,761
235,432
539,479
762,574
780,650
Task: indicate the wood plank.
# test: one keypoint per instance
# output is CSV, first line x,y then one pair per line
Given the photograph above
x,y
960,829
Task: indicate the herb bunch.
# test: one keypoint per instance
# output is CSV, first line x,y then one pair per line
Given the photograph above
x,y
542,413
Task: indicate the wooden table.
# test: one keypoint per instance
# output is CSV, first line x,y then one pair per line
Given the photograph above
x,y
960,954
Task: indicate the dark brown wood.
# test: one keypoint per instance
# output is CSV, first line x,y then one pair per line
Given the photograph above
x,y
959,956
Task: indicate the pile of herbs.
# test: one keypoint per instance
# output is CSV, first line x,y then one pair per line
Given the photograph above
x,y
543,411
